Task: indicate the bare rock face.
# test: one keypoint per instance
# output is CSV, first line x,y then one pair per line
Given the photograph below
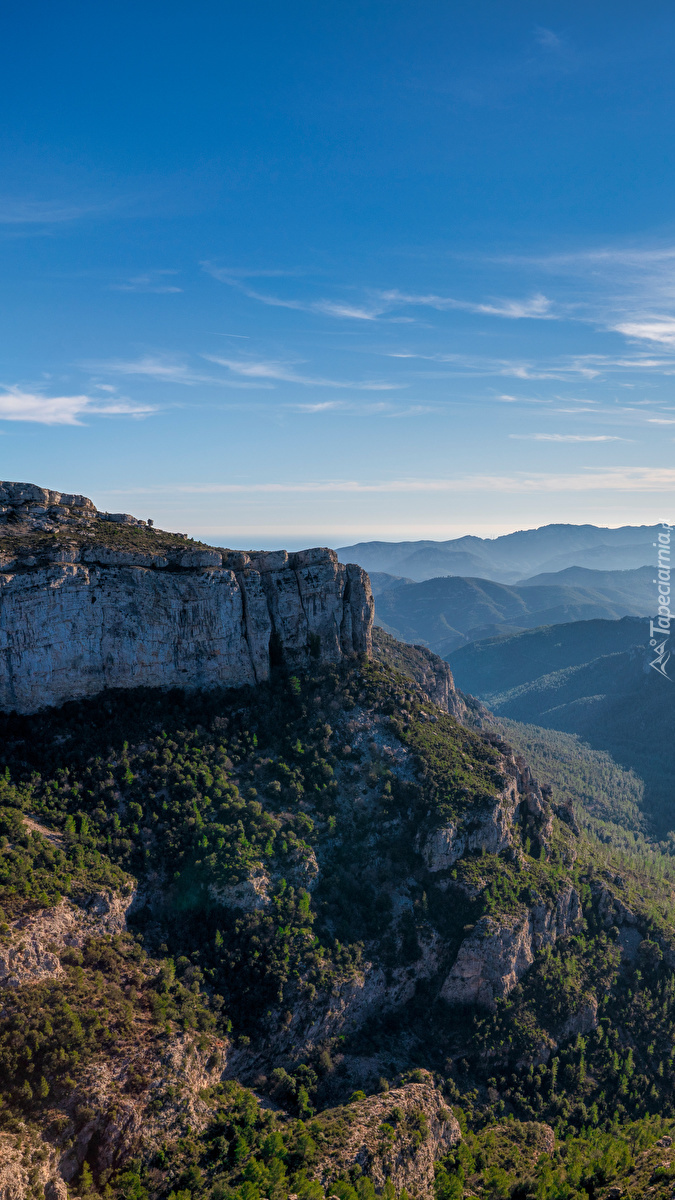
x,y
398,1135
78,618
369,990
138,1100
431,673
126,1120
498,952
490,829
30,952
25,507
435,678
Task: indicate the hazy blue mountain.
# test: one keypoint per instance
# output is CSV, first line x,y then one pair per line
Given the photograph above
x,y
449,611
491,668
380,581
512,556
632,587
592,679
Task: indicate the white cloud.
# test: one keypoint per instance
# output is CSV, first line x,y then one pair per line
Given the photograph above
x,y
352,409
655,329
537,306
506,399
382,303
549,39
165,370
285,373
568,437
39,212
17,405
331,308
150,282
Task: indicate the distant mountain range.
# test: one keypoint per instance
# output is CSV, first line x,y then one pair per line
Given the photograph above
x,y
449,611
513,556
590,678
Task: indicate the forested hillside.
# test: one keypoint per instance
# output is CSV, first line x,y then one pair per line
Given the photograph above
x,y
447,613
363,950
494,666
580,679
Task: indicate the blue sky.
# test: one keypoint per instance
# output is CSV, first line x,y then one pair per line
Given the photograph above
x,y
289,274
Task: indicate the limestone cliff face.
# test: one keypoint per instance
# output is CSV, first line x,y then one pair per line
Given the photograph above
x,y
77,616
491,828
499,951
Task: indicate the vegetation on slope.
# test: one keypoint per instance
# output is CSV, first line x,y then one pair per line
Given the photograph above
x,y
275,836
448,612
493,666
579,680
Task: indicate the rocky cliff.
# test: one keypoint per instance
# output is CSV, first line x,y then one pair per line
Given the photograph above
x,y
397,1136
500,950
81,610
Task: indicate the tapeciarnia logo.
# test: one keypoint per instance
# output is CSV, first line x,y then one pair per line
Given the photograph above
x,y
659,628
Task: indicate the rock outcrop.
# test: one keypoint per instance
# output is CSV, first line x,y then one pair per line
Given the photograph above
x,y
29,952
398,1136
431,673
78,615
129,1104
498,952
491,828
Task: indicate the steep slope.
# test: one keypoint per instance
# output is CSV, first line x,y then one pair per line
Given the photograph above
x,y
336,883
448,612
490,667
614,701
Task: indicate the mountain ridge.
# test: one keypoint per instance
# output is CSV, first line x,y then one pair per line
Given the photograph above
x,y
449,611
510,557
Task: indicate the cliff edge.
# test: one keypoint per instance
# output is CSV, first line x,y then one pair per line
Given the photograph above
x,y
92,600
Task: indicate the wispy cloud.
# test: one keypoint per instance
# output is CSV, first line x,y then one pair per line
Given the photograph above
x,y
331,308
165,370
284,372
40,212
660,330
567,437
565,370
536,306
352,409
377,304
151,281
506,399
18,405
621,479
547,38
628,290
